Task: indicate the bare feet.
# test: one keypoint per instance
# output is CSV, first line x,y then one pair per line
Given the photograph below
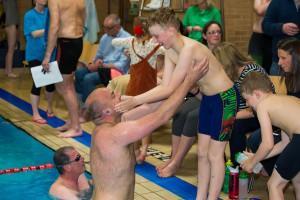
x,y
160,167
64,127
141,158
81,120
71,133
11,75
169,170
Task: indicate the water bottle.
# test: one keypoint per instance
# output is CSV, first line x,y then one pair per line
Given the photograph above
x,y
225,188
234,183
243,185
240,157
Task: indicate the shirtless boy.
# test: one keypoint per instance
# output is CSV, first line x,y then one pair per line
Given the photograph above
x,y
66,30
218,105
281,111
112,152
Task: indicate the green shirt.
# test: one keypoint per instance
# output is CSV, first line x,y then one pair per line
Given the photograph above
x,y
194,16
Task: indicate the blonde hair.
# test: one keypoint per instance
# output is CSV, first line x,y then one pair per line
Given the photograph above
x,y
231,58
256,81
164,17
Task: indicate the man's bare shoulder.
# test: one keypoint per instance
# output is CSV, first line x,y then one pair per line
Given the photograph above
x,y
59,191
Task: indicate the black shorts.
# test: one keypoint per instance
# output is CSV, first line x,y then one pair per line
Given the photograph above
x,y
288,163
68,53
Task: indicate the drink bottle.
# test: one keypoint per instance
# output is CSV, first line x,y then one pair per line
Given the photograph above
x,y
243,185
240,157
225,188
234,183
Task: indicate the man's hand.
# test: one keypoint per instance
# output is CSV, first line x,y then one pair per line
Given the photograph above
x,y
92,67
197,70
290,29
127,103
197,28
45,64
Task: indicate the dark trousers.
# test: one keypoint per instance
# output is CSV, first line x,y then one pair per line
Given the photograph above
x,y
238,139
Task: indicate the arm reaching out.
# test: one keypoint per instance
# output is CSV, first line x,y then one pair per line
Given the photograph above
x,y
132,131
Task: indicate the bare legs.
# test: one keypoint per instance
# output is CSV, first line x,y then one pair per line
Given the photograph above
x,y
211,167
35,104
180,147
141,152
67,90
11,32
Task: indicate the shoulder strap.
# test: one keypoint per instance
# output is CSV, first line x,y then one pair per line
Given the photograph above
x,y
141,57
152,52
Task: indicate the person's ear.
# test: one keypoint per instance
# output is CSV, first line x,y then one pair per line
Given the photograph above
x,y
107,111
257,93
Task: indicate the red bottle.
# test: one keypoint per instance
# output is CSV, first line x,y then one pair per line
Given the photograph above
x,y
234,183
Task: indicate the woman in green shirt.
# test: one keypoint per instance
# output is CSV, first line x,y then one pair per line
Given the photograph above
x,y
196,17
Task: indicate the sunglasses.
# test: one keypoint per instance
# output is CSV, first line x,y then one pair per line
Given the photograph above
x,y
77,159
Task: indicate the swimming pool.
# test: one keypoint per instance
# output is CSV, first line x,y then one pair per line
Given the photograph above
x,y
18,149
175,185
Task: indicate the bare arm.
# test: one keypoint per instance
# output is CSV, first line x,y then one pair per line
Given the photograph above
x,y
267,140
38,33
278,148
260,6
129,132
53,30
172,77
244,114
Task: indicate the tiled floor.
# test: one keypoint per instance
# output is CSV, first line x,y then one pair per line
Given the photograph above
x,y
144,189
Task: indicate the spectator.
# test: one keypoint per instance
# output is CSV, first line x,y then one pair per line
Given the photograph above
x,y
66,31
11,23
196,16
34,29
71,183
143,52
279,25
212,34
260,44
109,61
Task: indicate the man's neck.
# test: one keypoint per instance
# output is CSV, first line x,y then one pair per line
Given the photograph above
x,y
70,181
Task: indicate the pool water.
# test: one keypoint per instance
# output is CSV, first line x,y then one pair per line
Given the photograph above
x,y
18,149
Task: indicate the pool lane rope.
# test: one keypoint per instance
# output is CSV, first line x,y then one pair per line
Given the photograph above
x,y
25,169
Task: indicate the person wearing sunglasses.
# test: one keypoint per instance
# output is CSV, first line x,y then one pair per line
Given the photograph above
x,y
71,183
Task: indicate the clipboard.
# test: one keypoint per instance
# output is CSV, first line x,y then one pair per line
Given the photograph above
x,y
41,79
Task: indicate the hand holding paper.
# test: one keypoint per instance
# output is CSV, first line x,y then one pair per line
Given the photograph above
x,y
42,78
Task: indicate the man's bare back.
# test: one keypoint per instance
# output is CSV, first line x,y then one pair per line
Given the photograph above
x,y
112,165
71,17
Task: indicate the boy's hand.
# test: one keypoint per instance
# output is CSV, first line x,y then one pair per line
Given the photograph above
x,y
248,164
127,103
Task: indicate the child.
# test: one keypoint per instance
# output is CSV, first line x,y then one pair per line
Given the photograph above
x,y
143,54
281,111
218,105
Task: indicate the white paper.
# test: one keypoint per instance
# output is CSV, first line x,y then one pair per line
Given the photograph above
x,y
41,79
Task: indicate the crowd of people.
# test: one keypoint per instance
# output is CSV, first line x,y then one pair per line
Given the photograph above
x,y
168,69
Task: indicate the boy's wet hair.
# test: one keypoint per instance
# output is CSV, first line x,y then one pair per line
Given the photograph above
x,y
256,81
164,17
